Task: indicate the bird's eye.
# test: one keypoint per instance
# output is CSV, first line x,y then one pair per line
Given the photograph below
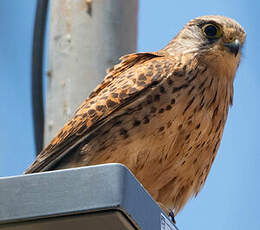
x,y
211,31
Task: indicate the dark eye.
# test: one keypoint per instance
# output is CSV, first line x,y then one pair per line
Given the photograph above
x,y
211,31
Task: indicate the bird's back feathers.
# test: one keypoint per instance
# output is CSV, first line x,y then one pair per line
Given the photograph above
x,y
119,88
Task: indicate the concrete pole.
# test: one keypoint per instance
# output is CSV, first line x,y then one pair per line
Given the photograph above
x,y
86,38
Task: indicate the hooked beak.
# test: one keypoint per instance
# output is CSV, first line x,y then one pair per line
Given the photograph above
x,y
233,46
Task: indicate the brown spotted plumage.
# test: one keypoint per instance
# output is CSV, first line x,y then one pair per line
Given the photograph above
x,y
161,114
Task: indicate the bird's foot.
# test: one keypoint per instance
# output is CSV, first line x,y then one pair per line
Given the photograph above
x,y
171,214
168,211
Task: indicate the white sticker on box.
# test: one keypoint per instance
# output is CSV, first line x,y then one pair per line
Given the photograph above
x,y
166,224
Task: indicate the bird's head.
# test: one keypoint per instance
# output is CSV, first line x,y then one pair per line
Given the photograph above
x,y
213,39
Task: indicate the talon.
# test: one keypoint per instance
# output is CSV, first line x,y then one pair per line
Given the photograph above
x,y
171,214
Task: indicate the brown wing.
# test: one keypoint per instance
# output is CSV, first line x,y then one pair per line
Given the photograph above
x,y
124,82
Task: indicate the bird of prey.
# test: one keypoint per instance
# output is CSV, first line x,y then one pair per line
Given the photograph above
x,y
161,114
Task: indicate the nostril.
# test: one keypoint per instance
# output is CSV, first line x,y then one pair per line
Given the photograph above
x,y
231,39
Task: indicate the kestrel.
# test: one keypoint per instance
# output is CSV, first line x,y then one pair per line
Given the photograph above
x,y
161,114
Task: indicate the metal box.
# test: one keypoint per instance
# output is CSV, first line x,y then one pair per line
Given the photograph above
x,y
106,197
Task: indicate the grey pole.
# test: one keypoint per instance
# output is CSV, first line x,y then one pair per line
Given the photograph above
x,y
86,38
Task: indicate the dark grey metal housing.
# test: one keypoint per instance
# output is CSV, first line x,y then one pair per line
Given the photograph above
x,y
95,197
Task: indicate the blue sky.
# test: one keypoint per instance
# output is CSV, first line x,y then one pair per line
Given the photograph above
x,y
230,198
